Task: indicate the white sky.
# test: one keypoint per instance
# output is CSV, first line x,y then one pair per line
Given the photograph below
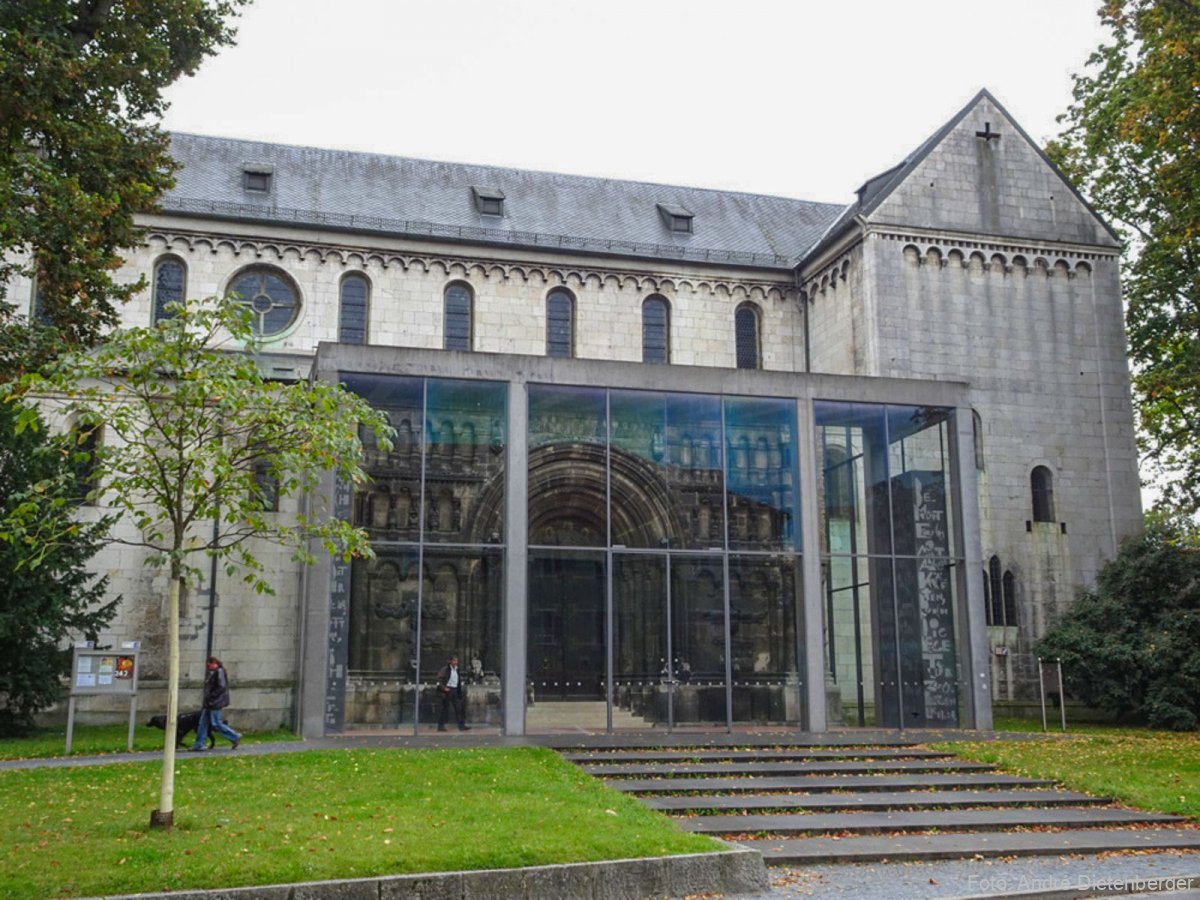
x,y
801,99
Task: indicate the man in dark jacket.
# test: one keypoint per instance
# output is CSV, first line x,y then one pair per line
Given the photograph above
x,y
450,687
216,698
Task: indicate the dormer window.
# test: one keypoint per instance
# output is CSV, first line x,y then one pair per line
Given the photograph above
x,y
677,219
257,179
488,201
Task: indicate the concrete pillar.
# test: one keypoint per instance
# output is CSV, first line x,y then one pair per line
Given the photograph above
x,y
974,662
516,568
811,614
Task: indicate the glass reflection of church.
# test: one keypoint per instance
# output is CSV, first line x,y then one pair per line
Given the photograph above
x,y
613,557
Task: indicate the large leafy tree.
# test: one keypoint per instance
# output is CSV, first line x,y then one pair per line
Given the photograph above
x,y
81,92
193,431
1131,643
1132,143
47,592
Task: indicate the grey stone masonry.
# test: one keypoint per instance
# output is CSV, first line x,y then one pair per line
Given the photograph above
x,y
735,871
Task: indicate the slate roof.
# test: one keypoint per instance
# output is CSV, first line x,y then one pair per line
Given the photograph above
x,y
373,193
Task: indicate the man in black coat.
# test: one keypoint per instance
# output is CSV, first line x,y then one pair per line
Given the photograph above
x,y
450,686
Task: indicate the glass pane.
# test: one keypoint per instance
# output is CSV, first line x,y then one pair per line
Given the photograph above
x,y
919,440
925,599
764,600
383,620
559,321
568,486
693,471
464,461
666,470
640,674
641,508
567,651
168,286
698,639
388,506
746,328
654,330
352,319
762,494
853,501
461,607
458,317
859,641
283,304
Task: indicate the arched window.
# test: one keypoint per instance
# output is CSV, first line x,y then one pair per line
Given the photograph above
x,y
995,593
655,330
745,322
560,323
37,305
170,285
271,295
1010,599
1041,483
457,316
352,309
977,435
266,485
85,464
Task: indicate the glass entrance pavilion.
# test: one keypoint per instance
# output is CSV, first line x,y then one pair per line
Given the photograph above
x,y
611,547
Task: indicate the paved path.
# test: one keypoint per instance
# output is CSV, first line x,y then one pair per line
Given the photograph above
x,y
975,878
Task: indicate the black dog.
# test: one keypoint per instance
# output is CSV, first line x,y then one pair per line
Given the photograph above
x,y
185,724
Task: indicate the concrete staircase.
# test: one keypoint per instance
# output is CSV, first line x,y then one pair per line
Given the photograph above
x,y
811,804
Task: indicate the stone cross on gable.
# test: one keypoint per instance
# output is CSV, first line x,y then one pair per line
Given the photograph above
x,y
987,134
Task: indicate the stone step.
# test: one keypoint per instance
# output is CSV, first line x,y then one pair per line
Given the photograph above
x,y
880,800
909,847
685,770
943,820
596,757
815,784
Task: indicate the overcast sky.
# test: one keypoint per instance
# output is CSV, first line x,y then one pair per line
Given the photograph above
x,y
800,99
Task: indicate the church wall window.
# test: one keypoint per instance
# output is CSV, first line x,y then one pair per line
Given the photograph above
x,y
1010,599
995,592
457,316
354,303
169,285
560,323
655,330
1041,483
266,486
977,435
85,465
746,333
271,296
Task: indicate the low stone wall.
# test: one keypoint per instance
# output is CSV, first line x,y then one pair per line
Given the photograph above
x,y
738,870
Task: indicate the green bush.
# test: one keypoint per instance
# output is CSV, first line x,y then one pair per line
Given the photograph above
x,y
1131,644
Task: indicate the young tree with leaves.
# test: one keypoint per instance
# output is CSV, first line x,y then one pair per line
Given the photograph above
x,y
81,93
1132,144
47,594
194,431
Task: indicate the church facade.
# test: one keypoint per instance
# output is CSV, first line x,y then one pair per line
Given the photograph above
x,y
668,457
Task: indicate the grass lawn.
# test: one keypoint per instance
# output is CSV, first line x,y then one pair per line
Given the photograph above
x,y
94,740
1151,770
259,819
